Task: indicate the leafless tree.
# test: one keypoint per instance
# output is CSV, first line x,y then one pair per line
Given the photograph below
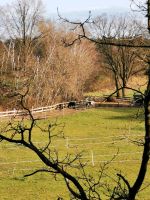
x,y
79,184
19,27
123,62
63,71
19,22
34,51
133,190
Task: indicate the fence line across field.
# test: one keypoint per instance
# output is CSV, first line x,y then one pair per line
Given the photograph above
x,y
33,110
92,157
21,161
95,138
119,154
36,110
68,145
67,139
129,142
91,162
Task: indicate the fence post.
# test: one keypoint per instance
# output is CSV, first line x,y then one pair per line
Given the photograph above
x,y
92,158
14,171
43,115
15,112
67,142
63,107
129,129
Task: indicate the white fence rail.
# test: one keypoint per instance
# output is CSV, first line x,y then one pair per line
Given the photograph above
x,y
33,110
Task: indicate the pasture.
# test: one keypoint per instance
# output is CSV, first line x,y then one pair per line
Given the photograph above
x,y
100,133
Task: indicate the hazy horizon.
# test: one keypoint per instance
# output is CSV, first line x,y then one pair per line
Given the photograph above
x,y
66,6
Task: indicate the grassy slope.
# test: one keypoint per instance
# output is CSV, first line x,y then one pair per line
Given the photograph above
x,y
106,87
101,131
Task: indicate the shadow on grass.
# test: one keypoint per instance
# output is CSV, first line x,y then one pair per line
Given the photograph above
x,y
125,114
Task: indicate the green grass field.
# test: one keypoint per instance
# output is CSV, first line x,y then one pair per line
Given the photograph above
x,y
99,133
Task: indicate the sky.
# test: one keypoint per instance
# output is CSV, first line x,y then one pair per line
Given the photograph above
x,y
79,5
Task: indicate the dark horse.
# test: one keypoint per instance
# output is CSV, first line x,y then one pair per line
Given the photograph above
x,y
72,104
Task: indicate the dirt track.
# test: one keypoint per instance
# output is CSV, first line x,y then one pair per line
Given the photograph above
x,y
57,113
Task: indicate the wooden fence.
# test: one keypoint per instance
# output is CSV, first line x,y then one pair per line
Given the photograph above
x,y
79,104
33,110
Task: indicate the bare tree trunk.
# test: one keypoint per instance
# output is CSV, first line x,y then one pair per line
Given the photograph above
x,y
145,158
123,91
124,84
117,86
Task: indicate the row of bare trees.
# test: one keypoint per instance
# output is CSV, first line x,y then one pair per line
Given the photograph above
x,y
122,62
33,52
63,71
